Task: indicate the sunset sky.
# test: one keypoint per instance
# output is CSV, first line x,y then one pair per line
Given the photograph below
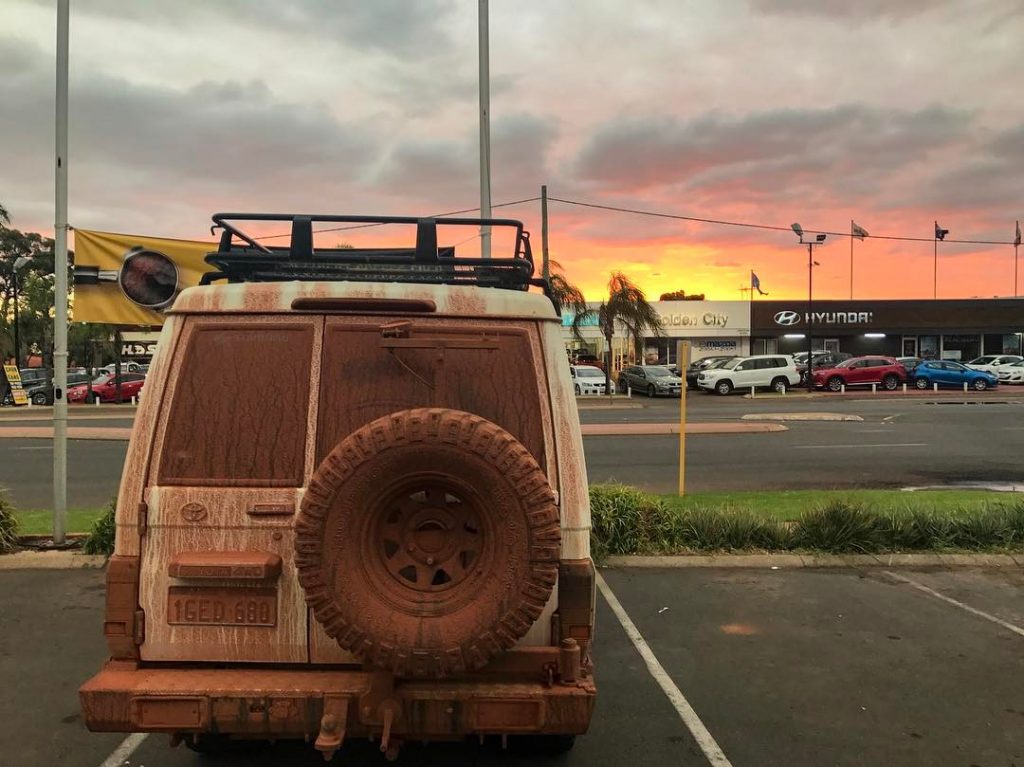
x,y
893,113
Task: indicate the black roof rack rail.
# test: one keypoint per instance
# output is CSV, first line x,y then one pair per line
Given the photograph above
x,y
243,258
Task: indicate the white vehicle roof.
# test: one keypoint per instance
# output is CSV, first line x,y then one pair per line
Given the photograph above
x,y
277,297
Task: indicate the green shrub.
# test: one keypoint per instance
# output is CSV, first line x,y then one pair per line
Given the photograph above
x,y
710,529
840,527
8,525
626,521
629,521
101,536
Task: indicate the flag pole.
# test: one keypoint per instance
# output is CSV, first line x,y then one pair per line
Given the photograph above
x,y
851,258
935,262
1016,246
60,284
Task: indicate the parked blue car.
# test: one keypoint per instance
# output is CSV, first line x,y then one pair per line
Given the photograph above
x,y
947,373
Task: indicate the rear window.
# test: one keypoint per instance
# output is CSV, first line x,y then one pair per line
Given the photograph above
x,y
480,369
240,407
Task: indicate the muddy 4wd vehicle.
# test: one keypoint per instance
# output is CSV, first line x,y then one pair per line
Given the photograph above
x,y
354,504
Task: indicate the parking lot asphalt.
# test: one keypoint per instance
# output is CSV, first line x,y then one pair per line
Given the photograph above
x,y
796,668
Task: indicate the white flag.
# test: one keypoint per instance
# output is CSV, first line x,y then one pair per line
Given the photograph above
x,y
858,231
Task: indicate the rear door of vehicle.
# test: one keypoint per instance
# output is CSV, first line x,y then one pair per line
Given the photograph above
x,y
225,477
492,369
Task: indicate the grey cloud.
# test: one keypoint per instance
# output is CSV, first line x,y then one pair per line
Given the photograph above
x,y
397,27
450,167
844,9
988,178
852,149
215,139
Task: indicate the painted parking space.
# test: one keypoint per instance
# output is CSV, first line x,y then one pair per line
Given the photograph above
x,y
796,668
835,667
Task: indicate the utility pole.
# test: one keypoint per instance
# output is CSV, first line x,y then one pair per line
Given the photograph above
x,y
485,129
546,263
1016,246
60,284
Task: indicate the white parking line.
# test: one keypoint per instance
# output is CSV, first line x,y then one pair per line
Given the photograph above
x,y
126,749
835,447
700,733
956,603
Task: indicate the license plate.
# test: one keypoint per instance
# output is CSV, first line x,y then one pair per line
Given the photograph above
x,y
189,606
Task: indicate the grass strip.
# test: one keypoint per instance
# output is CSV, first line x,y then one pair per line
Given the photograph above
x,y
630,521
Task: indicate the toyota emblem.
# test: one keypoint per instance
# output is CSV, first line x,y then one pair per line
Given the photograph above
x,y
786,318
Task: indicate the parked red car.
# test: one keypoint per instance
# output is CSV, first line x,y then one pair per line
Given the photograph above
x,y
104,388
862,371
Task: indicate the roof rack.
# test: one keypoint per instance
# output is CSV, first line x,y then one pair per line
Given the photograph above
x,y
242,258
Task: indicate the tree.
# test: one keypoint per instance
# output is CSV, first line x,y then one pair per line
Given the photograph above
x,y
5,217
626,305
680,295
35,282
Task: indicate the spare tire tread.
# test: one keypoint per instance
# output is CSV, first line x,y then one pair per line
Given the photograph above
x,y
430,426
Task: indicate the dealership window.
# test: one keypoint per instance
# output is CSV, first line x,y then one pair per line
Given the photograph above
x,y
766,346
961,348
928,347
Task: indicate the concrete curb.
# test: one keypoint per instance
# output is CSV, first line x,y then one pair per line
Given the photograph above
x,y
647,429
74,432
589,404
51,560
791,561
800,417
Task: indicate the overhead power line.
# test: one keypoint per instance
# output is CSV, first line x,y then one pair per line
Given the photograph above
x,y
436,215
768,227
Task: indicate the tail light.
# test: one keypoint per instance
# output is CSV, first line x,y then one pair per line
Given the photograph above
x,y
576,600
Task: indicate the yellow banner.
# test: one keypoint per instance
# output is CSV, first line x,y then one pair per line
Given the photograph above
x,y
125,279
13,376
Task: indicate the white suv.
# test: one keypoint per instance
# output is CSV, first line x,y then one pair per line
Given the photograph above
x,y
766,371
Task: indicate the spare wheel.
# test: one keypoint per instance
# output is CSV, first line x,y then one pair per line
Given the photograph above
x,y
428,542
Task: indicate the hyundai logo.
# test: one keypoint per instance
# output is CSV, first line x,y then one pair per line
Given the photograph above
x,y
786,318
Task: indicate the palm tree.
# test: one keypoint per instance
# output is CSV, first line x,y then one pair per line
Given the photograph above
x,y
627,306
5,217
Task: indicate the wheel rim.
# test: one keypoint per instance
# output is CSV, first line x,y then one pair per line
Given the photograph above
x,y
577,390
650,391
780,386
980,385
835,384
723,388
890,383
922,383
427,538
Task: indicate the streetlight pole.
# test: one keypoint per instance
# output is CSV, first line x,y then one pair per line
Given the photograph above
x,y
17,320
818,240
810,316
19,262
484,86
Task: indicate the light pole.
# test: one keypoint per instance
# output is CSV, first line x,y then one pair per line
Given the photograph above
x,y
818,240
19,262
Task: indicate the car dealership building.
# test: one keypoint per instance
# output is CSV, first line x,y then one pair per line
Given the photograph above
x,y
941,329
711,327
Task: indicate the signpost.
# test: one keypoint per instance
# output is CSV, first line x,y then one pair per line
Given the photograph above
x,y
684,363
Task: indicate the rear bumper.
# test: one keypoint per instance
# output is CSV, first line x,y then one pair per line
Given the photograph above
x,y
281,703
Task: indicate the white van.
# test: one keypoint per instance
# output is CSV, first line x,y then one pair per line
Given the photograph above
x,y
765,371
